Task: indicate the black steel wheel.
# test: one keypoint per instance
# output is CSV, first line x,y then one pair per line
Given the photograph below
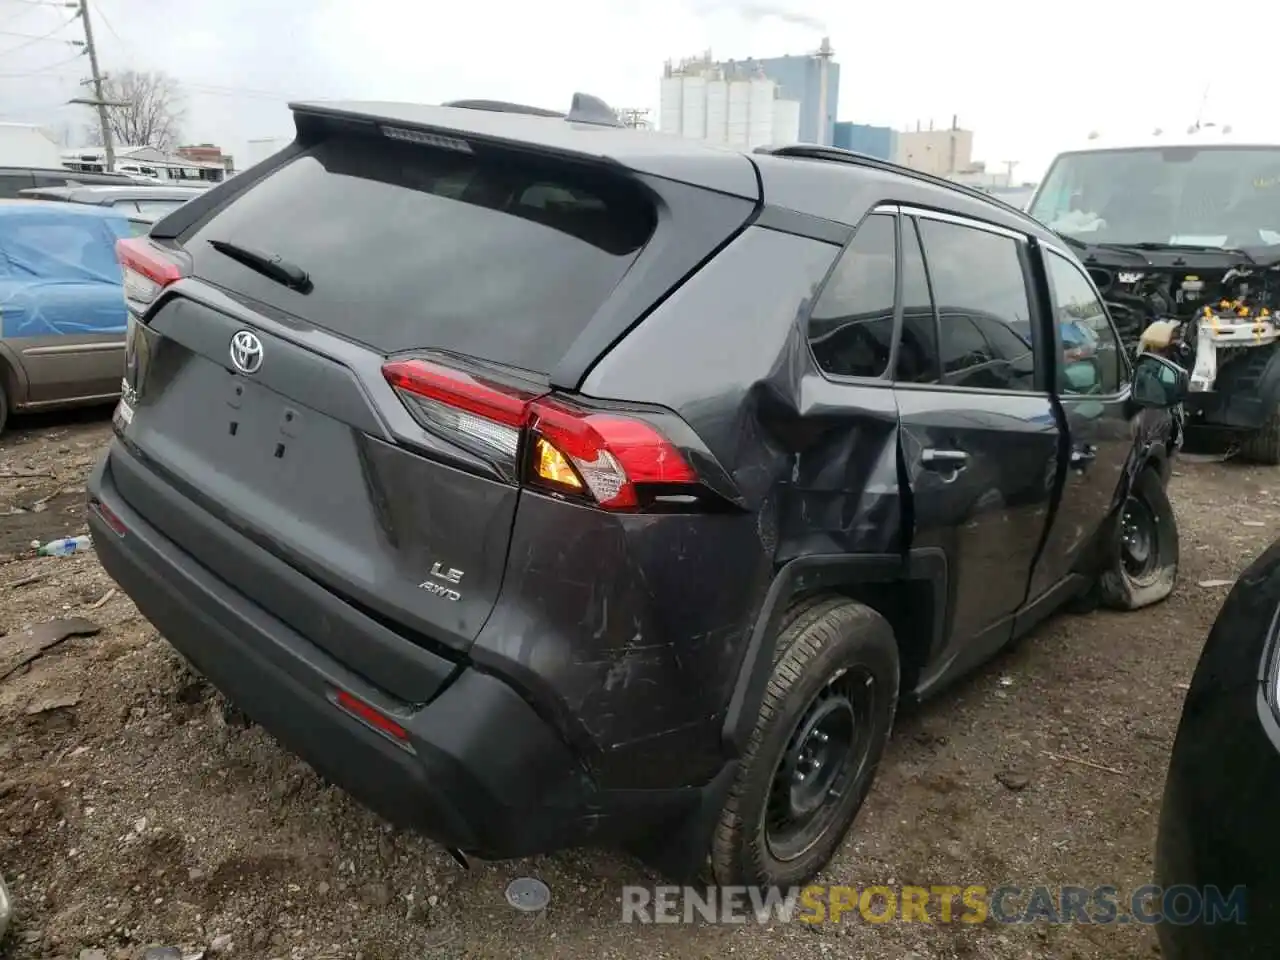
x,y
819,735
830,744
1143,566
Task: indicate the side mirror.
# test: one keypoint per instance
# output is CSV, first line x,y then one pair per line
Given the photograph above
x,y
1158,382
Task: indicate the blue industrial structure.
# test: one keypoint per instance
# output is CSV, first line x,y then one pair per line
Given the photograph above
x,y
879,142
802,78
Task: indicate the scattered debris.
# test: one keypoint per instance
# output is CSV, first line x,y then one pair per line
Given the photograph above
x,y
170,953
1216,583
24,581
528,894
1006,681
41,505
63,546
51,702
102,600
21,649
1014,780
1252,523
220,944
1084,763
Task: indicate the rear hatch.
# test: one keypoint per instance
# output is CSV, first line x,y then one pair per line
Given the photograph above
x,y
340,362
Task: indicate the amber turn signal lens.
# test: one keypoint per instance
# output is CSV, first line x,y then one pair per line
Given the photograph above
x,y
552,465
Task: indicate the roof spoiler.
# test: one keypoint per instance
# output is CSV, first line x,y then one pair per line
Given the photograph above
x,y
584,109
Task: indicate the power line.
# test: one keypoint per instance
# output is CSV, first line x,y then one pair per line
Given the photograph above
x,y
32,39
49,69
106,22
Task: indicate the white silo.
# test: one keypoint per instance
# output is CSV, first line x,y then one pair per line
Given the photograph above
x,y
693,110
717,111
760,112
739,123
671,109
786,121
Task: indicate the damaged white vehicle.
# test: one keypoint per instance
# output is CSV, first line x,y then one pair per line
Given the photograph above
x,y
1181,234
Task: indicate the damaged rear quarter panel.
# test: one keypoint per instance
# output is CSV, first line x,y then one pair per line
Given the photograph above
x,y
632,628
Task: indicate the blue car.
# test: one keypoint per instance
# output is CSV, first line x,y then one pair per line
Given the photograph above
x,y
62,310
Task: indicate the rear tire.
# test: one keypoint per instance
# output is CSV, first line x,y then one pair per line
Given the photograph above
x,y
4,401
1143,548
821,731
1263,446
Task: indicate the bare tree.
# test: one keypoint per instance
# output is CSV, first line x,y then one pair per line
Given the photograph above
x,y
152,113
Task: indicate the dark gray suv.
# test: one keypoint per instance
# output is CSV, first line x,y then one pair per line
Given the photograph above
x,y
548,483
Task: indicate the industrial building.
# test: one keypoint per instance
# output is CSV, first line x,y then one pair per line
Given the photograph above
x,y
939,152
749,103
701,100
880,142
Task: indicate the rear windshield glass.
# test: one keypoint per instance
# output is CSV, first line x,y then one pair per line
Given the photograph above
x,y
500,256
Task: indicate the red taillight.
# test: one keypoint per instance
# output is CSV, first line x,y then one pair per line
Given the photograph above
x,y
610,453
147,270
371,716
583,452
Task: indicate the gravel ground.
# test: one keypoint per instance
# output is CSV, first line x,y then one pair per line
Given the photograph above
x,y
136,810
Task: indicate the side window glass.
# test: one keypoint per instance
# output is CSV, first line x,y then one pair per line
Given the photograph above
x,y
984,313
851,326
918,348
1091,354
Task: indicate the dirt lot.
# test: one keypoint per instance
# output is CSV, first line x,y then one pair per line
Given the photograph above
x,y
135,811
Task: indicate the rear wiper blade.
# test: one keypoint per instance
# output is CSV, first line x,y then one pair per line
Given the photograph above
x,y
268,264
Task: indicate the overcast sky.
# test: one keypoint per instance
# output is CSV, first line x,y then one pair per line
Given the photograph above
x,y
1028,78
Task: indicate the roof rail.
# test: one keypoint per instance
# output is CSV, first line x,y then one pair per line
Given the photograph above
x,y
584,109
502,106
813,151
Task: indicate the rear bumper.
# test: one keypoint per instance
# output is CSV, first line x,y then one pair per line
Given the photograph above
x,y
483,772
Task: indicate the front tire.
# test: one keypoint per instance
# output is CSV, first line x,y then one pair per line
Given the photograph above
x,y
1263,446
821,731
1143,564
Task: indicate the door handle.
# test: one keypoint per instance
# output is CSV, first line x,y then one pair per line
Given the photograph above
x,y
1084,454
944,461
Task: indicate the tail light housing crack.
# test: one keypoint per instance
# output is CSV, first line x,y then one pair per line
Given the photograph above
x,y
603,458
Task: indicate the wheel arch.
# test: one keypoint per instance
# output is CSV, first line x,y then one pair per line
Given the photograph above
x,y
12,377
909,591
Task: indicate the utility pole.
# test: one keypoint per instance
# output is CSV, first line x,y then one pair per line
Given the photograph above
x,y
103,121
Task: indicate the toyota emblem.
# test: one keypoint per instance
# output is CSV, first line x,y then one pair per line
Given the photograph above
x,y
246,352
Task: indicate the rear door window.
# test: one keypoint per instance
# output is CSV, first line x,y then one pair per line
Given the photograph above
x,y
495,255
984,310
